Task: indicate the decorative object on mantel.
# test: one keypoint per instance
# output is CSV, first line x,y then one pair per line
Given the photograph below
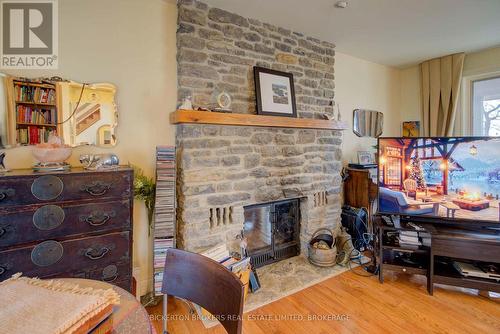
x,y
275,92
186,104
368,123
332,115
221,101
51,155
204,117
31,305
99,161
3,169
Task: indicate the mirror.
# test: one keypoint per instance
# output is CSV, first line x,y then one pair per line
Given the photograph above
x,y
32,109
368,123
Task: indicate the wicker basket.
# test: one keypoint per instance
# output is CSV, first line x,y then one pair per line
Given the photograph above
x,y
322,257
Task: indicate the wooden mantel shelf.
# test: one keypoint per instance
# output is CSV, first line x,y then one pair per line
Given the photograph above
x,y
207,117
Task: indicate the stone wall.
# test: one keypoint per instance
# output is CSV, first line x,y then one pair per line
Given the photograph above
x,y
223,168
217,51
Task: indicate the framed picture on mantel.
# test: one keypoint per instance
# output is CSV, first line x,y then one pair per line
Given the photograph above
x,y
275,92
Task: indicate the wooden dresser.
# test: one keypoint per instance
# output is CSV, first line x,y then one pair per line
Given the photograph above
x,y
67,224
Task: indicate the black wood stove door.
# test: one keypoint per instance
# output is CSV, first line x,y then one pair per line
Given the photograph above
x,y
272,231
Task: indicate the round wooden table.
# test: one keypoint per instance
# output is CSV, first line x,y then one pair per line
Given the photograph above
x,y
130,317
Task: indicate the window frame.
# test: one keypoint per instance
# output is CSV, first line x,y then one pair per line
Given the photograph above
x,y
467,119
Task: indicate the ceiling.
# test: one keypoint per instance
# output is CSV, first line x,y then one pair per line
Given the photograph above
x,y
391,32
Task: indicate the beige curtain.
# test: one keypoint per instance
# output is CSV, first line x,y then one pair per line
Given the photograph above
x,y
440,90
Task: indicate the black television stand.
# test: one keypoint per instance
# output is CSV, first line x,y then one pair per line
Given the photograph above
x,y
449,243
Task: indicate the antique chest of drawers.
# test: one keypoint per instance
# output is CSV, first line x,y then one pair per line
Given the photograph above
x,y
67,224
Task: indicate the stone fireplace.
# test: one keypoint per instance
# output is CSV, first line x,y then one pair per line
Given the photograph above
x,y
223,169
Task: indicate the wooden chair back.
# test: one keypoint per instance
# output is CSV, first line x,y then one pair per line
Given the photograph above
x,y
206,283
410,185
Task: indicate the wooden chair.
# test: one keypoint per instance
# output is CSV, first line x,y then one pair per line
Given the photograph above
x,y
206,283
410,188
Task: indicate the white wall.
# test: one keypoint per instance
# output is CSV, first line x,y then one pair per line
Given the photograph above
x,y
130,44
363,84
411,102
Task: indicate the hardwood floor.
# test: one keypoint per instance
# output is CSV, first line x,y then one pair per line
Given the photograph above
x,y
349,303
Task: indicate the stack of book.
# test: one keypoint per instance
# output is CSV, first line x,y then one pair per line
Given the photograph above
x,y
409,239
164,215
414,239
221,255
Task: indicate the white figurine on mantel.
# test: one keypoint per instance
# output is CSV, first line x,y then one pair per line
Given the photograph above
x,y
186,104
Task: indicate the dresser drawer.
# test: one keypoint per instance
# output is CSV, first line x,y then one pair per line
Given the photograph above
x,y
35,189
110,273
53,258
51,221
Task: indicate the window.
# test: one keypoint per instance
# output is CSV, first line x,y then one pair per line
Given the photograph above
x,y
485,106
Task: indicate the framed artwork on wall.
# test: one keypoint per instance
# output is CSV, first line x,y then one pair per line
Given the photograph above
x,y
275,93
365,158
411,129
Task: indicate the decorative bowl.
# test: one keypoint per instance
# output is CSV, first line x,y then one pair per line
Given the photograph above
x,y
49,154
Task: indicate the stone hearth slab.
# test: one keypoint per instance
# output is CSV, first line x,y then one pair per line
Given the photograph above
x,y
282,279
286,277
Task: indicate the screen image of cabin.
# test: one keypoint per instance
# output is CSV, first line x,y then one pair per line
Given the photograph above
x,y
442,177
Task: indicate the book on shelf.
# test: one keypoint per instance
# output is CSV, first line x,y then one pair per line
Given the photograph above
x,y
32,94
32,135
34,115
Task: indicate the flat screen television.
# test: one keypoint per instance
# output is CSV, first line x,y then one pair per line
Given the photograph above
x,y
453,179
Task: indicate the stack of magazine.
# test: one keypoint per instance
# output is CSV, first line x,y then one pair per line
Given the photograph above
x,y
164,215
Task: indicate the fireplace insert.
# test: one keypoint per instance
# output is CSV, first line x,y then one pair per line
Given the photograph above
x,y
272,231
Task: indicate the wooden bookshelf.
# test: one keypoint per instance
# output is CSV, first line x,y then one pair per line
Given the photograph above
x,y
207,117
36,104
33,111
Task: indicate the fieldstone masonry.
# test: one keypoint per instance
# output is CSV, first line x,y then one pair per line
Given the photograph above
x,y
217,51
223,168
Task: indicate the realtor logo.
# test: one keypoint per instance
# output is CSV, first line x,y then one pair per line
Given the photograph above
x,y
29,34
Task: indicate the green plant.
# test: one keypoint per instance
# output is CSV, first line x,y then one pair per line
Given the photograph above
x,y
145,190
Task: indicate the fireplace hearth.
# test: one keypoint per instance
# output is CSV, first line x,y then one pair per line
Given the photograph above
x,y
272,231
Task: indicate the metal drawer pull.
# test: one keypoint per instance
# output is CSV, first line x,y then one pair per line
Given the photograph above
x,y
97,218
90,253
3,231
96,188
110,279
4,193
2,270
